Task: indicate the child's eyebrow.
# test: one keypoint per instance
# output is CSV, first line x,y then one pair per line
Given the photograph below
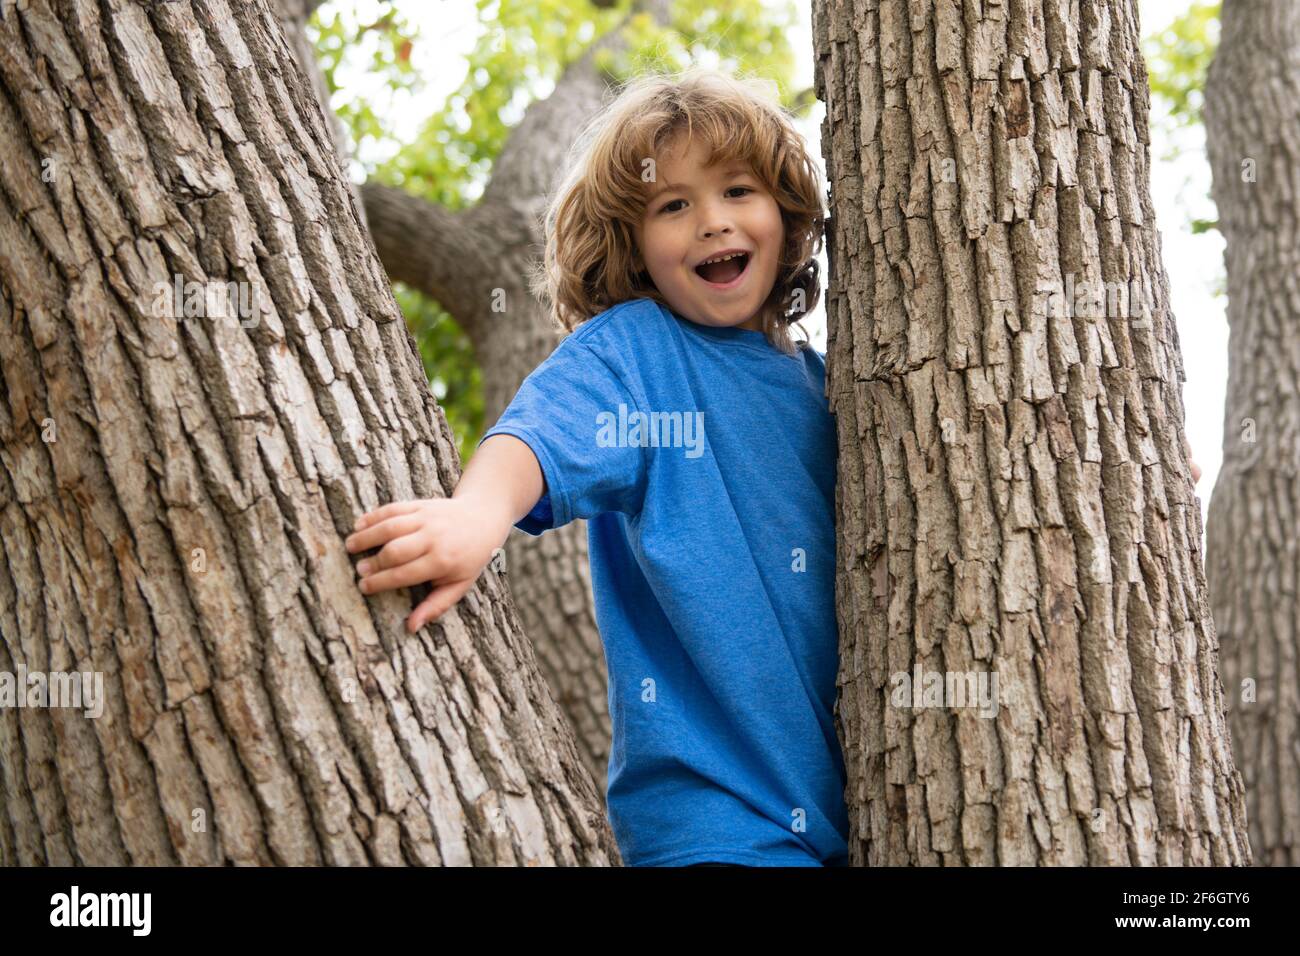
x,y
733,169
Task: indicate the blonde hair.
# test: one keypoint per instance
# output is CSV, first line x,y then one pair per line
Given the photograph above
x,y
590,259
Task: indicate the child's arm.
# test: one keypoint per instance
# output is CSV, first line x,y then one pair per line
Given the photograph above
x,y
449,541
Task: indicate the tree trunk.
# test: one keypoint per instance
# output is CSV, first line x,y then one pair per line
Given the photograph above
x,y
1252,123
549,577
492,247
1014,507
176,486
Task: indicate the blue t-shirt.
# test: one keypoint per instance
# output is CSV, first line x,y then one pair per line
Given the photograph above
x,y
704,461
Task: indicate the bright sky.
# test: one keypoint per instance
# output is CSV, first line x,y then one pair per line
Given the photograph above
x,y
1179,189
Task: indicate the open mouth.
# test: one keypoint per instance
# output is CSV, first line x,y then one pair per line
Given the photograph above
x,y
725,274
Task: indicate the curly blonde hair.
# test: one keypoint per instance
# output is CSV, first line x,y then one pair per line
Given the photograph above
x,y
590,259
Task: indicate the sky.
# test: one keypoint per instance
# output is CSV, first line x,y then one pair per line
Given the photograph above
x,y
1179,188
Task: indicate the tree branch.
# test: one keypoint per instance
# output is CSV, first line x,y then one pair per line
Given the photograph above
x,y
513,200
420,243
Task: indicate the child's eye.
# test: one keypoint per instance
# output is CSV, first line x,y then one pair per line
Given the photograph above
x,y
667,207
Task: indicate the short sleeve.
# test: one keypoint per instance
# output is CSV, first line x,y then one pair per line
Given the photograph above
x,y
566,411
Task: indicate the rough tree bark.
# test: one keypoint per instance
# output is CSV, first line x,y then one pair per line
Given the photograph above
x,y
293,16
462,259
175,489
1012,498
1252,121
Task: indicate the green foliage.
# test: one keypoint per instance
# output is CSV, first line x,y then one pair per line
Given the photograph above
x,y
458,385
381,45
1178,62
521,51
526,46
742,36
1178,59
378,48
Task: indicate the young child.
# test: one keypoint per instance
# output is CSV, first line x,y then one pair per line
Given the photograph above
x,y
681,420
695,438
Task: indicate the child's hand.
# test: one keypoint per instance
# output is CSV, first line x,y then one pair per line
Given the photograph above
x,y
1196,469
442,540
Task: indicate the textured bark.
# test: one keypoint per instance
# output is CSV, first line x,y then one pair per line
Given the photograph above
x,y
174,491
550,578
1012,497
462,259
491,246
293,16
1252,120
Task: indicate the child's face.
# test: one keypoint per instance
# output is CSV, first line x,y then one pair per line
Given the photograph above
x,y
697,214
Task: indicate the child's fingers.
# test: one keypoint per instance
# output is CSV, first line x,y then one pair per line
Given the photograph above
x,y
391,510
436,604
413,572
383,532
397,552
1191,463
